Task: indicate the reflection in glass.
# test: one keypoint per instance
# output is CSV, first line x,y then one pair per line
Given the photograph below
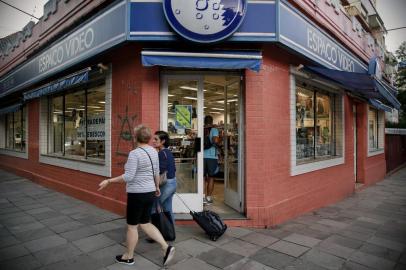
x,y
23,128
304,124
231,134
323,129
373,138
75,123
17,130
182,129
95,123
57,125
10,131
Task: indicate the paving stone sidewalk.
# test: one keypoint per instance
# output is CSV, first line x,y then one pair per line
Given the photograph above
x,y
44,229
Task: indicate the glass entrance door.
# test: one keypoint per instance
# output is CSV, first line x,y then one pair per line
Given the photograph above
x,y
233,142
223,102
185,101
182,117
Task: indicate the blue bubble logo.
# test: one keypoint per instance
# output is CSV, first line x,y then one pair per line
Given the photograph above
x,y
205,21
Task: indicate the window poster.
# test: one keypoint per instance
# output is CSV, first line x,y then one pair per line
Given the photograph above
x,y
183,116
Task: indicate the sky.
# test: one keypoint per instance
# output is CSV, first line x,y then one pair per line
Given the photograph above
x,y
392,12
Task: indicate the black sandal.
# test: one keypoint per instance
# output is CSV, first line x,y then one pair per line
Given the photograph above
x,y
119,259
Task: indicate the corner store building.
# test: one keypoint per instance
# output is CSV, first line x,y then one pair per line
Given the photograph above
x,y
283,164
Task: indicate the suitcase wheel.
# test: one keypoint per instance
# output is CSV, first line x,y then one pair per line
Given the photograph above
x,y
213,238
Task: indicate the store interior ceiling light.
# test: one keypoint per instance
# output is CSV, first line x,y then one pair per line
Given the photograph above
x,y
102,102
302,95
190,88
217,109
170,95
192,98
228,101
216,112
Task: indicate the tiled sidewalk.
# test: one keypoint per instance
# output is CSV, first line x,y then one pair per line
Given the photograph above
x,y
44,229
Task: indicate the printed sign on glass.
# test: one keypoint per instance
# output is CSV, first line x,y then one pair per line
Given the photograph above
x,y
183,116
205,21
95,128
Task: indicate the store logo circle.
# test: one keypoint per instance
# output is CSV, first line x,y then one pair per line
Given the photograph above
x,y
205,21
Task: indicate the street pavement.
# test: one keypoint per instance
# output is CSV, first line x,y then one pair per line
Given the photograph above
x,y
43,229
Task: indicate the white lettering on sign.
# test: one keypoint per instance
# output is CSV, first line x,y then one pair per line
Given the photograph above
x,y
328,51
71,48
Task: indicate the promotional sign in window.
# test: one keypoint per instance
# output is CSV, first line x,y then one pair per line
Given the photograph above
x,y
95,128
183,116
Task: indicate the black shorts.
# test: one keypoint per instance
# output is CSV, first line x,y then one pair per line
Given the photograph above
x,y
139,206
211,167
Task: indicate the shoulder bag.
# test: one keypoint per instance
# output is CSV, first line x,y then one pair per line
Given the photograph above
x,y
162,177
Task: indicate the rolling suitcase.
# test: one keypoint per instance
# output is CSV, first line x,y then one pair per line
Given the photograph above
x,y
209,221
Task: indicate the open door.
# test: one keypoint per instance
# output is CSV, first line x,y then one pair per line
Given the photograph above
x,y
233,145
182,118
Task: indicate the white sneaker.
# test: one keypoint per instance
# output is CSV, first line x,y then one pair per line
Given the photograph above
x,y
209,199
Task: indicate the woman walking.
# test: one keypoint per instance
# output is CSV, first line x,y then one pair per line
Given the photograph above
x,y
142,185
166,166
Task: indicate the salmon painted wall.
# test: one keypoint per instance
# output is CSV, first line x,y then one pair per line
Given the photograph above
x,y
274,196
371,169
135,100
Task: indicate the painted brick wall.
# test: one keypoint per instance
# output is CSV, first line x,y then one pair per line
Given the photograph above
x,y
274,196
370,169
135,100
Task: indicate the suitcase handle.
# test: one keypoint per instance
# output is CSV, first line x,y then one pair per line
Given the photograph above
x,y
191,212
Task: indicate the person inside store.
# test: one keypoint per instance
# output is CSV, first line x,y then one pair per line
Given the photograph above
x,y
167,167
141,175
211,167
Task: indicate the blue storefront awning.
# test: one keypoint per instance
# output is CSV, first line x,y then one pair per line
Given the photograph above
x,y
210,60
10,109
379,105
59,85
359,83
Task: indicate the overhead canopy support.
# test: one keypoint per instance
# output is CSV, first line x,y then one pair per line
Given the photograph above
x,y
208,60
359,83
379,105
58,85
10,109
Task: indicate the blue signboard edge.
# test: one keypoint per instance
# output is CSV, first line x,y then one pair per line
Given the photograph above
x,y
305,53
172,36
64,67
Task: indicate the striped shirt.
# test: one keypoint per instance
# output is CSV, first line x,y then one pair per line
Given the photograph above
x,y
138,170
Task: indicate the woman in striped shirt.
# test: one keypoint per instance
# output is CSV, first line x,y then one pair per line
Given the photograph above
x,y
142,184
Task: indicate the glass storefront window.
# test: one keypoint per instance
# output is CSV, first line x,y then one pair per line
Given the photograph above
x,y
77,123
314,124
304,124
323,127
373,129
15,130
95,123
9,131
57,125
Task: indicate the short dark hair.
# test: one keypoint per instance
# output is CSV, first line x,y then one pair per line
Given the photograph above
x,y
163,136
142,134
208,120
